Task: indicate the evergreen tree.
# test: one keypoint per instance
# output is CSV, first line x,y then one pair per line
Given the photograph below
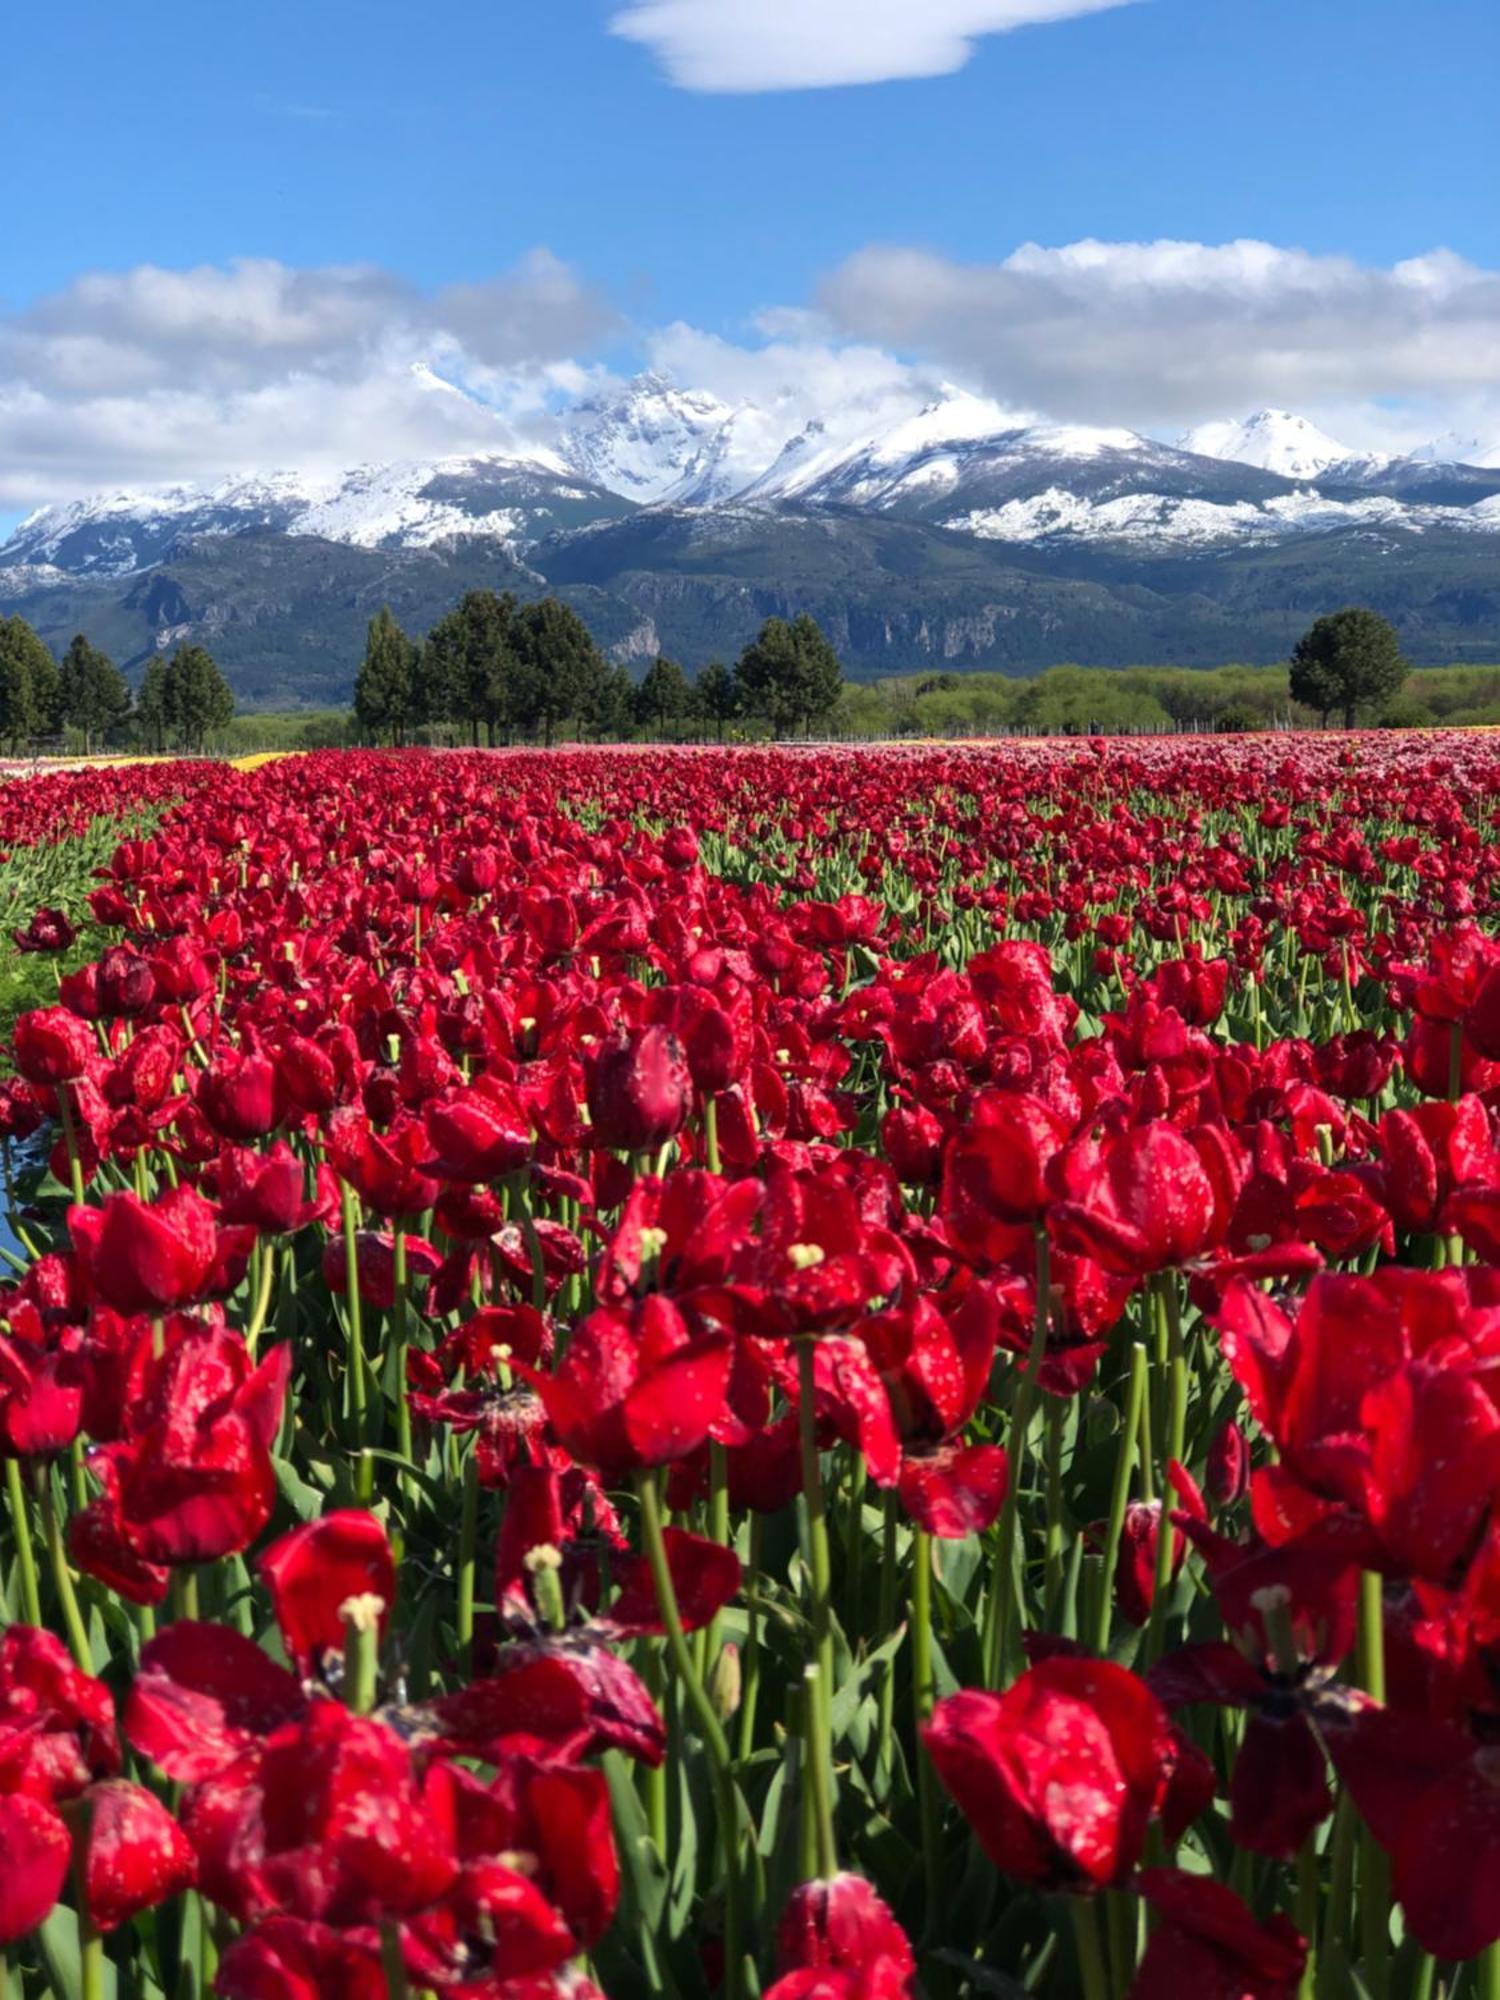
x,y
198,698
1346,661
28,684
614,712
468,667
153,704
562,672
385,692
664,696
716,695
95,696
789,674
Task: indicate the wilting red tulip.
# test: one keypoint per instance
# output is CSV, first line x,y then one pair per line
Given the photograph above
x,y
639,1090
1059,1776
192,1479
49,930
1206,1943
314,1570
204,1696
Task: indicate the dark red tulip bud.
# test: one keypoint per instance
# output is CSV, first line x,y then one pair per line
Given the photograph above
x,y
126,984
49,930
239,1097
639,1091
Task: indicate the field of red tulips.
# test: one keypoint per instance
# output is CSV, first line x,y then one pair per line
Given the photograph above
x,y
822,1375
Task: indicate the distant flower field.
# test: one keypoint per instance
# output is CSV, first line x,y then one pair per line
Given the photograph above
x,y
815,1373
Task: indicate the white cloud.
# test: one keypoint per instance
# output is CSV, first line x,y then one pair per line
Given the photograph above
x,y
152,375
1156,333
749,45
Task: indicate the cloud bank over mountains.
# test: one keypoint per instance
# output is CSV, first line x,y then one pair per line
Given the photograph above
x,y
153,375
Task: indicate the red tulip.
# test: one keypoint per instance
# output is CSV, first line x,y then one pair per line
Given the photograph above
x,y
639,1091
477,1135
1206,1943
137,1856
147,1257
240,1097
36,1846
1059,1776
314,1570
52,1046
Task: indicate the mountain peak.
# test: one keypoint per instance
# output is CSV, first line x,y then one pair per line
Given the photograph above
x,y
1275,440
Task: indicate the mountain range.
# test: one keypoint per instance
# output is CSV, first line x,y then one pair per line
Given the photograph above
x,y
952,536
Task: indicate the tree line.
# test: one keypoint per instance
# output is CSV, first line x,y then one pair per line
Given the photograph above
x,y
500,669
181,701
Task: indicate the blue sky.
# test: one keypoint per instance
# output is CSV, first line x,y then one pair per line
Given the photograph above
x,y
441,145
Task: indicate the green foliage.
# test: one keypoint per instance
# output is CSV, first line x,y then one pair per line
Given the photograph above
x,y
664,695
716,695
29,684
1349,660
387,692
470,667
94,696
1238,717
197,699
790,674
152,710
562,673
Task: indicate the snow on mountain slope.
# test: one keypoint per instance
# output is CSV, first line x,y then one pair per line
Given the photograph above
x,y
823,455
961,462
371,506
656,442
1163,521
1275,440
1453,449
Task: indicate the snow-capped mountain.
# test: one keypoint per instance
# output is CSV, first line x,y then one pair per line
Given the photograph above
x,y
1452,449
658,443
1275,440
961,463
405,505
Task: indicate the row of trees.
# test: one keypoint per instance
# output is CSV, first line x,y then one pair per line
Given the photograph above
x,y
499,668
181,702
